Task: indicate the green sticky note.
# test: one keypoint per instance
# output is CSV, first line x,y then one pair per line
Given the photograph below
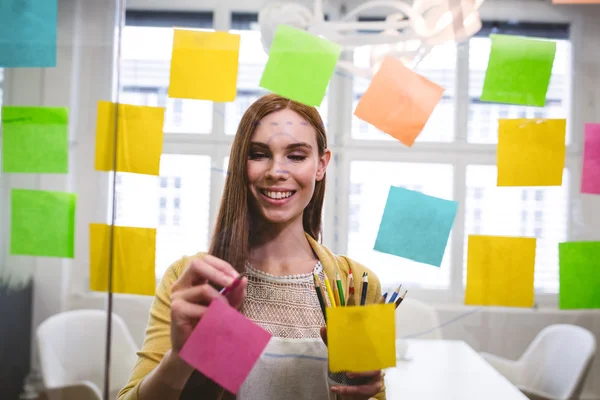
x,y
579,275
300,65
519,70
42,223
35,140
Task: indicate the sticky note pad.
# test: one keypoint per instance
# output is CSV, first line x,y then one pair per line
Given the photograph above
x,y
361,339
133,259
28,33
500,271
590,176
225,345
575,1
518,70
398,101
35,140
531,152
139,138
204,65
579,275
415,226
300,65
42,223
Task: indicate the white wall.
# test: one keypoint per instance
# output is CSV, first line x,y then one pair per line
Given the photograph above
x,y
84,75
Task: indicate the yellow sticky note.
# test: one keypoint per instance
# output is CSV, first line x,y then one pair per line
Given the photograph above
x,y
139,138
133,259
361,338
500,271
204,65
531,152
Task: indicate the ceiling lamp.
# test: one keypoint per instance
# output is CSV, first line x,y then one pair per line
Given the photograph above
x,y
409,32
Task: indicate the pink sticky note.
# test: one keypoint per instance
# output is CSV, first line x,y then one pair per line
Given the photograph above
x,y
590,176
225,345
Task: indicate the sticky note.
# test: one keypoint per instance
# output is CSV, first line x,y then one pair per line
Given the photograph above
x,y
204,65
531,152
133,259
42,223
500,271
415,226
28,33
35,140
579,275
518,70
361,339
300,65
575,1
590,176
225,345
139,138
398,101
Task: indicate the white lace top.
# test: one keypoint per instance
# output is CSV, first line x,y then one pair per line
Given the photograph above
x,y
285,306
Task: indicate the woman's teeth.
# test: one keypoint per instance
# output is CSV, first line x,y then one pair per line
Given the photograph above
x,y
278,195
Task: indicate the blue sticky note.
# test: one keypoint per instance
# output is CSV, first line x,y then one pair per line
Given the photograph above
x,y
415,226
28,33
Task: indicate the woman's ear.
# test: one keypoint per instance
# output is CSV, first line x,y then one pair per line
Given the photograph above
x,y
323,162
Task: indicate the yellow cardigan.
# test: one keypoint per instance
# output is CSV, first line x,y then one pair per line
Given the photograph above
x,y
158,332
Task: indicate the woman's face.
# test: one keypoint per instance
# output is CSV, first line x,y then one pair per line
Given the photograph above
x,y
283,166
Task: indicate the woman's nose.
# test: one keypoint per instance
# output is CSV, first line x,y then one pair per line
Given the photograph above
x,y
277,169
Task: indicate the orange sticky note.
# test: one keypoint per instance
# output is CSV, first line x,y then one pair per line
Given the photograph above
x,y
531,152
399,101
133,260
500,271
139,138
575,1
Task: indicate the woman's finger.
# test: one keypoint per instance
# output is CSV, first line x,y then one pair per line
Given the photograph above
x,y
323,333
199,271
221,265
185,309
237,295
367,374
201,294
370,389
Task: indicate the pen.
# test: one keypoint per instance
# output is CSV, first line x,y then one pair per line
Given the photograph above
x,y
365,285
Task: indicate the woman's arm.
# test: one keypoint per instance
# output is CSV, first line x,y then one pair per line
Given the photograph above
x,y
167,380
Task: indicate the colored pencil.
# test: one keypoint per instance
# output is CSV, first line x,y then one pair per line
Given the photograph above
x,y
329,292
350,300
340,288
365,285
395,294
320,295
401,298
382,299
347,291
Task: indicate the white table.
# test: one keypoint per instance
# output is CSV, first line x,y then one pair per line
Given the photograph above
x,y
446,370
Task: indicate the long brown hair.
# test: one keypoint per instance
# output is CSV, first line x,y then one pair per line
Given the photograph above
x,y
231,236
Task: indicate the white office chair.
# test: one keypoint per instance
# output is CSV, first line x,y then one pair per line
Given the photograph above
x,y
415,319
555,364
72,348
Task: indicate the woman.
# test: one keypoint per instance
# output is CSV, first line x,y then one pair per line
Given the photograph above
x,y
268,226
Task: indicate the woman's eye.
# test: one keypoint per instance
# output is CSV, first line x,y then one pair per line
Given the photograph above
x,y
297,157
257,156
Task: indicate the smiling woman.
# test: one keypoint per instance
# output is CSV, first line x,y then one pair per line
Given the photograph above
x,y
268,228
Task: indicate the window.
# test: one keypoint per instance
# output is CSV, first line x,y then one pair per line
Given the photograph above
x,y
177,182
252,61
440,67
146,48
484,126
182,226
374,177
504,213
163,181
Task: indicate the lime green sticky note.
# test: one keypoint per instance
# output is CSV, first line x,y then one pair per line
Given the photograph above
x,y
579,275
519,70
35,140
300,65
361,338
42,223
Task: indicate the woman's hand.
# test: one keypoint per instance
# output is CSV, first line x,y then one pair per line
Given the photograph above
x,y
192,293
366,391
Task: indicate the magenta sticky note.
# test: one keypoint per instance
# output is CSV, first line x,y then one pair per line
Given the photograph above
x,y
590,176
225,345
